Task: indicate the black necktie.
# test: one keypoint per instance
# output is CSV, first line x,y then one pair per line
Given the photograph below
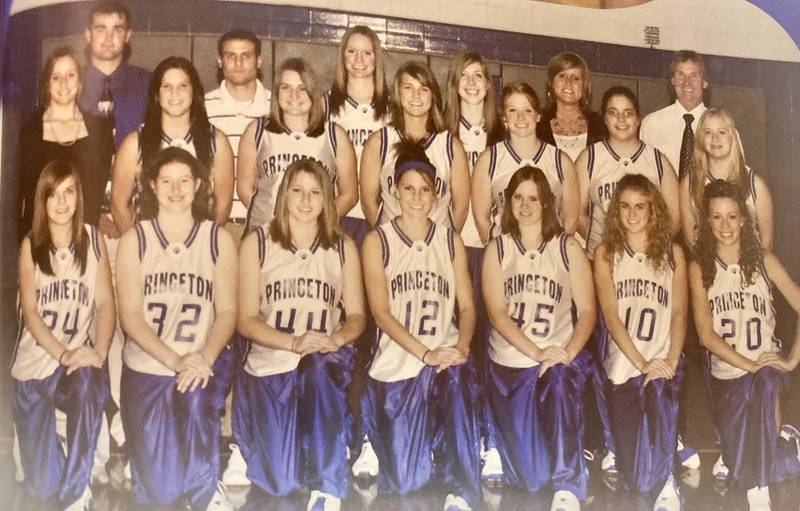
x,y
687,147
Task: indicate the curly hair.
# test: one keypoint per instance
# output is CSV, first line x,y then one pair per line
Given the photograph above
x,y
751,256
658,228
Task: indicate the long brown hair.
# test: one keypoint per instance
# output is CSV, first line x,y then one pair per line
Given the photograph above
x,y
316,117
47,73
658,239
452,101
329,232
751,256
422,73
53,174
737,171
201,209
550,225
380,93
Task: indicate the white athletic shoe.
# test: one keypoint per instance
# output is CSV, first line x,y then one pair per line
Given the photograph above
x,y
82,504
126,470
367,464
564,500
219,501
688,455
99,474
669,499
19,471
609,462
235,473
790,434
321,501
492,471
454,503
720,470
758,499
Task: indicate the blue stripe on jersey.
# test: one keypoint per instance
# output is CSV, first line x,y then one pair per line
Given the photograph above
x,y
540,152
638,152
500,249
431,231
193,234
450,148
213,140
20,328
384,143
142,240
326,105
451,243
214,242
492,161
341,251
511,151
162,239
262,245
564,256
261,126
659,165
559,169
671,256
590,163
753,185
95,241
332,137
401,234
384,246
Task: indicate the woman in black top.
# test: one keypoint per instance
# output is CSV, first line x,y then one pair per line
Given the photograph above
x,y
61,131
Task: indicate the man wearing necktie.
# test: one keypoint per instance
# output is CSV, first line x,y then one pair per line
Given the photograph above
x,y
671,129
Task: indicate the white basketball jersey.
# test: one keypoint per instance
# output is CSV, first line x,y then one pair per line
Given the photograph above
x,y
439,149
743,316
422,296
644,304
65,302
187,144
474,140
504,162
358,120
606,168
538,296
300,290
177,282
275,152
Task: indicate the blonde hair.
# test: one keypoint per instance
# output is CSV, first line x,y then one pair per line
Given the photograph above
x,y
380,93
452,101
422,73
327,222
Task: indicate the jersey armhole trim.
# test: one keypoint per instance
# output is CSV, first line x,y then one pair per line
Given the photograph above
x,y
564,239
384,246
141,240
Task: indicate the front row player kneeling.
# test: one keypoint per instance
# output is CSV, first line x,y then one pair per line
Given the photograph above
x,y
641,287
290,416
67,308
178,310
420,391
732,282
537,368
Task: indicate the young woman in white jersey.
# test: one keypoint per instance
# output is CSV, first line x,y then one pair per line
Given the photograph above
x,y
178,308
732,281
419,403
67,319
494,168
415,115
470,111
175,117
640,278
358,102
532,275
296,339
718,155
295,129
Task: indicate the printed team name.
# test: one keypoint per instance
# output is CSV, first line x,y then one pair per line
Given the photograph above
x,y
66,289
738,300
605,191
641,288
419,280
531,283
359,136
186,283
277,163
300,287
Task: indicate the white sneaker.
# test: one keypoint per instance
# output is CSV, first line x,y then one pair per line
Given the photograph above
x,y
720,470
454,503
492,471
19,471
758,499
688,455
321,501
99,474
235,473
219,501
564,500
126,470
669,499
790,434
82,504
609,462
367,464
